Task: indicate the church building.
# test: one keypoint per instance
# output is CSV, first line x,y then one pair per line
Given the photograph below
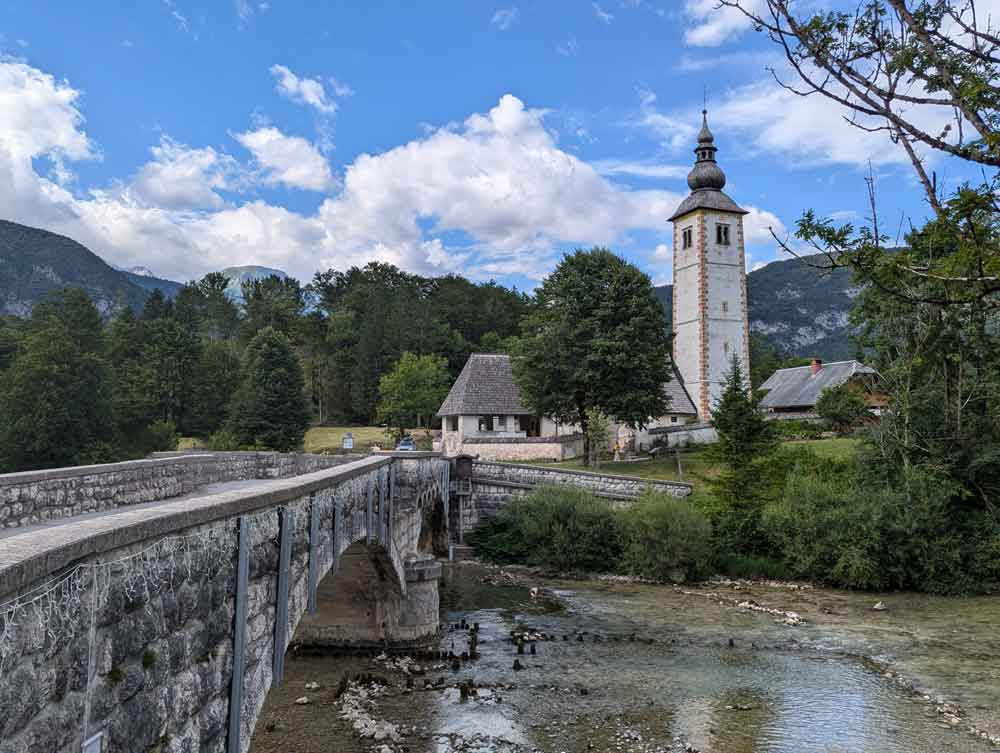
x,y
710,321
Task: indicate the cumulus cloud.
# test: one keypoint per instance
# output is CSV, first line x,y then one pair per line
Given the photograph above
x,y
641,169
674,132
181,178
711,25
498,180
290,160
811,130
303,91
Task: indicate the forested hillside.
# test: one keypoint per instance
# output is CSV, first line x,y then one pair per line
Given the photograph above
x,y
36,262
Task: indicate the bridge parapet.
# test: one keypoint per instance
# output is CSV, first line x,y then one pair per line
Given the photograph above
x,y
166,625
37,496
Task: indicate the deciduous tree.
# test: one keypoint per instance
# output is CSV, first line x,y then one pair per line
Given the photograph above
x,y
594,339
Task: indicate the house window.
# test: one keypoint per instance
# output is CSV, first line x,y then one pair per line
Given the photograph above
x,y
725,347
453,423
725,307
486,423
673,419
686,238
501,423
722,234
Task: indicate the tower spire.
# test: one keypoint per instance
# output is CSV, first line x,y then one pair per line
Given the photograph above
x,y
706,174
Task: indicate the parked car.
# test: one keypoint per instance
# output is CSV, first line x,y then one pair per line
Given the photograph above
x,y
406,443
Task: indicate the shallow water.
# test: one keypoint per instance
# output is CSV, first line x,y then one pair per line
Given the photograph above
x,y
648,668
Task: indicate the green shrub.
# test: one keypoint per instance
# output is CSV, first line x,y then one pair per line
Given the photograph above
x,y
554,526
666,538
223,440
843,407
162,436
835,526
801,429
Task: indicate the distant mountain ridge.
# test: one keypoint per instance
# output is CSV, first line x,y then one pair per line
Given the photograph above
x,y
794,307
238,275
34,263
799,310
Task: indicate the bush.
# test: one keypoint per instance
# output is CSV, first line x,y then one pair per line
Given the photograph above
x,y
834,526
162,436
223,440
666,538
843,407
801,429
555,526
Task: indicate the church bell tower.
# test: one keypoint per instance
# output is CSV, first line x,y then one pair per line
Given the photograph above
x,y
710,322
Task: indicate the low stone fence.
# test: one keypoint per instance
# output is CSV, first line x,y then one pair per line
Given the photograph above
x,y
524,448
37,496
601,483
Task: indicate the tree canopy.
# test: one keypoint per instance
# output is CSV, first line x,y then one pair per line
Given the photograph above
x,y
413,389
594,339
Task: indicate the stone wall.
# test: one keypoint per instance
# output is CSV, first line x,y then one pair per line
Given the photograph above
x,y
524,448
601,483
123,624
37,496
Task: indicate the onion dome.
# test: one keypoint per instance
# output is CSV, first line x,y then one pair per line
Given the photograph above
x,y
706,174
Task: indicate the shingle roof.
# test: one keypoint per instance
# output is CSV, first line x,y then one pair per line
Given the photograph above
x,y
797,387
486,387
680,401
707,198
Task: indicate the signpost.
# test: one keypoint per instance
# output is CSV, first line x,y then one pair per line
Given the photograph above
x,y
348,441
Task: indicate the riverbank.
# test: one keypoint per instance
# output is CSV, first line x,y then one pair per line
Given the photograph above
x,y
642,667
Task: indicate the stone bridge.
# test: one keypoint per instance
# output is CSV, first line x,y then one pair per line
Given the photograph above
x,y
147,606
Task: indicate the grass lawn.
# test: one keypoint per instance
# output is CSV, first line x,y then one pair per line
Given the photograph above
x,y
330,438
839,448
695,464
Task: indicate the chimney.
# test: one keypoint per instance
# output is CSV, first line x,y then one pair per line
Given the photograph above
x,y
816,365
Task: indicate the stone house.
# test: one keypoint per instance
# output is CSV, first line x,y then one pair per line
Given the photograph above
x,y
483,415
793,393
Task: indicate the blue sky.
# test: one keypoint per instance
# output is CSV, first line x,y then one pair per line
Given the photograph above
x,y
473,137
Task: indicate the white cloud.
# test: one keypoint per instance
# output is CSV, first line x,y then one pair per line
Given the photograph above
x,y
811,130
569,48
504,18
181,178
711,25
289,160
499,179
602,15
303,91
674,132
662,253
641,169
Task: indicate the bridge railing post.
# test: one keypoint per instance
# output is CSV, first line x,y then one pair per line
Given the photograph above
x,y
239,636
313,552
281,606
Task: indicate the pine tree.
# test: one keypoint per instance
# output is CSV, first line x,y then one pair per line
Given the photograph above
x,y
269,409
739,490
54,406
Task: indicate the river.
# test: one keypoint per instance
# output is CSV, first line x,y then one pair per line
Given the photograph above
x,y
651,668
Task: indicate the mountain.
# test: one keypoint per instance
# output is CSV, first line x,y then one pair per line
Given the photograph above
x,y
238,275
147,282
798,309
35,262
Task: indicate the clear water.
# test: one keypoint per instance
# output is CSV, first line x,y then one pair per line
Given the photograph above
x,y
659,674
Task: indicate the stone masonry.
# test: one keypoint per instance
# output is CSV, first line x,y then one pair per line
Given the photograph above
x,y
123,624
